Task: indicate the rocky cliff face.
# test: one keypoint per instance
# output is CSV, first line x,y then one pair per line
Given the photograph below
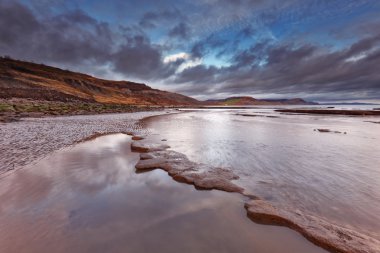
x,y
19,79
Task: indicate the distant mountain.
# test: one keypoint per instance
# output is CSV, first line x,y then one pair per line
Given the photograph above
x,y
19,79
240,101
353,103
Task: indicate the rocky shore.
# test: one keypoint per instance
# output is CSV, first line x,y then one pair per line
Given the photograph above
x,y
26,141
30,139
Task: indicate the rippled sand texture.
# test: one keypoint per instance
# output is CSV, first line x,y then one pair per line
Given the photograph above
x,y
282,159
32,138
89,199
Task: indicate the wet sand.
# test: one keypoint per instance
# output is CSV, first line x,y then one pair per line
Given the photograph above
x,y
90,199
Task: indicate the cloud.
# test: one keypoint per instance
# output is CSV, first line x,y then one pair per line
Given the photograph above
x,y
176,57
317,49
203,75
152,18
72,37
184,61
181,31
291,69
76,40
138,58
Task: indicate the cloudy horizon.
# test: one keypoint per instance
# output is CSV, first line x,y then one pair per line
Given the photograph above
x,y
324,51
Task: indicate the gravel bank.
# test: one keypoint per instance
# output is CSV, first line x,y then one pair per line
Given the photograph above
x,y
28,140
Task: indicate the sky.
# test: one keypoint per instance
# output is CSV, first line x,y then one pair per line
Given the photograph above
x,y
319,50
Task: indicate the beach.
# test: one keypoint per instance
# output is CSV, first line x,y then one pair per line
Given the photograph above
x,y
265,167
30,139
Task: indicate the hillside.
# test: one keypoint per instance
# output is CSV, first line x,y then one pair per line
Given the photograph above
x,y
19,79
240,101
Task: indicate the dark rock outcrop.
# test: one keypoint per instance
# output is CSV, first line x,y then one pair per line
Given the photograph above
x,y
322,233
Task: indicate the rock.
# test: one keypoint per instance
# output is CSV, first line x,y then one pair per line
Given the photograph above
x,y
218,183
183,170
325,130
9,118
141,146
149,164
145,156
322,233
138,137
249,115
375,122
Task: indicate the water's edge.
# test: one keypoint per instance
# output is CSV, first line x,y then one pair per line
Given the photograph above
x,y
317,230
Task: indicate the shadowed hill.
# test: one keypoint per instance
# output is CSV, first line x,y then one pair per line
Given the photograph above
x,y
253,101
19,79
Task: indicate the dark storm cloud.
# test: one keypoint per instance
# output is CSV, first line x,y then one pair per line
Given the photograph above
x,y
210,44
220,45
250,57
324,49
204,74
291,69
12,26
68,38
139,58
76,39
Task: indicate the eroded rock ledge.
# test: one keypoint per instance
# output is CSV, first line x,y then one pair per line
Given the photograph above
x,y
181,169
322,233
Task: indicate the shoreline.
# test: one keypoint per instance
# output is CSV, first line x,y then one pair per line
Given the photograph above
x,y
27,141
319,231
156,155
